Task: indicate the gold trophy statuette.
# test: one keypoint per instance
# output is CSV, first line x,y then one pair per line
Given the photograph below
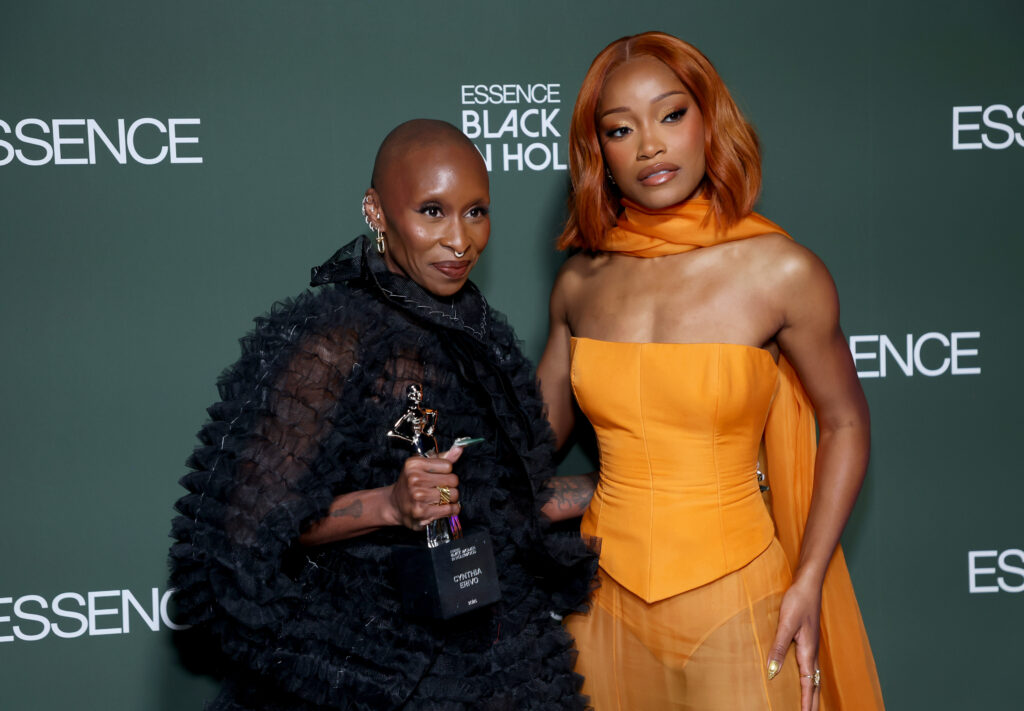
x,y
454,573
416,427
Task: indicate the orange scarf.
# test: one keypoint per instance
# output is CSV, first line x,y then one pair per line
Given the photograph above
x,y
680,228
849,679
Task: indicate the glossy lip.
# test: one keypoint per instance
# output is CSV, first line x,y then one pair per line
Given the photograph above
x,y
453,269
658,173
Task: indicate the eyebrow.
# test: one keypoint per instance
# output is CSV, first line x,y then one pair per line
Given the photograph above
x,y
656,99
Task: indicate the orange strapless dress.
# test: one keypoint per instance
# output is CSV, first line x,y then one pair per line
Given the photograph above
x,y
691,574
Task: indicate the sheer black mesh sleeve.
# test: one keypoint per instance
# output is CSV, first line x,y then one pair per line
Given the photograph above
x,y
258,480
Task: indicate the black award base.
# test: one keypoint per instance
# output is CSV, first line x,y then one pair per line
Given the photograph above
x,y
448,580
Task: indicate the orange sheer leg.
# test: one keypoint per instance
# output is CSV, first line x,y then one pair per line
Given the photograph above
x,y
704,649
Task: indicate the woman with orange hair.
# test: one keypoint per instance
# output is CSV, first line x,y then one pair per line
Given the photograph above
x,y
700,341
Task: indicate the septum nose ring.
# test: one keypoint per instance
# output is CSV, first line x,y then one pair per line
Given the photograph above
x,y
460,255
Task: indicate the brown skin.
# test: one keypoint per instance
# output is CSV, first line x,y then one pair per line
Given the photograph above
x,y
431,200
765,292
412,501
431,206
570,496
652,134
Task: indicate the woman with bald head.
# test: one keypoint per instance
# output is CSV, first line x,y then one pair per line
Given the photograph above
x,y
298,495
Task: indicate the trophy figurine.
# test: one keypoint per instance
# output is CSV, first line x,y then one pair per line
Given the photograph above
x,y
416,426
453,574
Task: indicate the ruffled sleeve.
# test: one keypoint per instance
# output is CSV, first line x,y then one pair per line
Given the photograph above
x,y
258,479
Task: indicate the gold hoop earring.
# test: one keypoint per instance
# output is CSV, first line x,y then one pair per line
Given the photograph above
x,y
382,247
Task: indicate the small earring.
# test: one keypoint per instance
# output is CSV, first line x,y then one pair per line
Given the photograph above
x,y
366,215
608,172
382,246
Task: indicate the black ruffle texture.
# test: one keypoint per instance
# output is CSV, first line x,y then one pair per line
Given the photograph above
x,y
302,419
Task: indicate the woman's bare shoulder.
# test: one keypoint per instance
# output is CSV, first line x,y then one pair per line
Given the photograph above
x,y
578,268
785,261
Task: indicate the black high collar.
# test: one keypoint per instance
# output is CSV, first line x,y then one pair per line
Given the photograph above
x,y
359,262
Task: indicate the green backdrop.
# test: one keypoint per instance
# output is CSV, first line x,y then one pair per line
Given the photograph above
x,y
893,147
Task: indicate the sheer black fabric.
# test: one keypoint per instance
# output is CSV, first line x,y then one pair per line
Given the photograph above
x,y
302,419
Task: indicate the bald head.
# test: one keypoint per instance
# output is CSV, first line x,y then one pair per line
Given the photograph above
x,y
429,204
412,135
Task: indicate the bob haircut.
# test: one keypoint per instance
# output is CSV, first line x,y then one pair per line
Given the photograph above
x,y
732,179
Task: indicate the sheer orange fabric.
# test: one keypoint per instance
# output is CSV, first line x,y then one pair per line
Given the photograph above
x,y
691,574
844,652
849,677
641,232
702,650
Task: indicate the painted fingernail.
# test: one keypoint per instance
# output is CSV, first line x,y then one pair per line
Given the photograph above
x,y
773,669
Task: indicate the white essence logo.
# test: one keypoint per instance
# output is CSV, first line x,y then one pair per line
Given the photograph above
x,y
930,354
983,566
30,618
147,141
517,138
1001,127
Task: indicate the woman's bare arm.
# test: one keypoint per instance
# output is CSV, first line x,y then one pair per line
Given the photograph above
x,y
569,496
813,341
412,501
553,371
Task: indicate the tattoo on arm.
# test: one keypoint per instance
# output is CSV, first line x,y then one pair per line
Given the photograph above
x,y
572,494
355,510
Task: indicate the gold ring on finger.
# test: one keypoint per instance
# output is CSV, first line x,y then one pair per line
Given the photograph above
x,y
815,677
445,495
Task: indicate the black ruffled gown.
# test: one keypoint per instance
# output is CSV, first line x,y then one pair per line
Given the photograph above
x,y
303,418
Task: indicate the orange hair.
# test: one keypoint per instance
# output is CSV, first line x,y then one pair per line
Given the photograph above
x,y
732,178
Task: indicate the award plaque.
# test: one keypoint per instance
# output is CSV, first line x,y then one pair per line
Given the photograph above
x,y
452,573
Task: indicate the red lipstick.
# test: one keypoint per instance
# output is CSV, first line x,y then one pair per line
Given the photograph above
x,y
453,269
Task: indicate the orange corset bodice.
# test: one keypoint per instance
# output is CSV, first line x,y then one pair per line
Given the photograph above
x,y
678,427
